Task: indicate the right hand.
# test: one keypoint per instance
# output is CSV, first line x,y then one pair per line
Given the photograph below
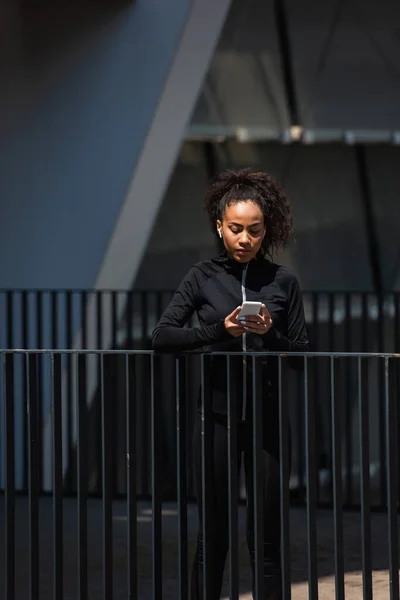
x,y
232,325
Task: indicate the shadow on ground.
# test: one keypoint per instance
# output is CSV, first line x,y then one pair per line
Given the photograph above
x,y
299,572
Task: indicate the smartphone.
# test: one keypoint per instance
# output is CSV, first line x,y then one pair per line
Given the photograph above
x,y
250,309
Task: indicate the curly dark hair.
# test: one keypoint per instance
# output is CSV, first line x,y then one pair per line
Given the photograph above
x,y
229,187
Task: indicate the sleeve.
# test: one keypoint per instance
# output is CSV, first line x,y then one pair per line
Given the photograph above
x,y
297,338
170,335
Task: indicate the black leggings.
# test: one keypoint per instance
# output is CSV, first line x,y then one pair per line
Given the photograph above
x,y
218,515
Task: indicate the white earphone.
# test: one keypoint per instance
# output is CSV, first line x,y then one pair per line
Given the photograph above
x,y
220,233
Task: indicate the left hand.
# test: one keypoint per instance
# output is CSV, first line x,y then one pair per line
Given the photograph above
x,y
260,324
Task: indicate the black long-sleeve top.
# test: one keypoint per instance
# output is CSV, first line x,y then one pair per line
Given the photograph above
x,y
213,289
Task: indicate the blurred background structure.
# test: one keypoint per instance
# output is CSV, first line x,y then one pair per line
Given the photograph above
x,y
113,118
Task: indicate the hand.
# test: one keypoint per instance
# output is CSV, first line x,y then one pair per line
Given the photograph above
x,y
232,325
260,324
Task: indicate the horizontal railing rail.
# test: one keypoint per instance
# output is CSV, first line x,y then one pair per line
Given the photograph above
x,y
134,441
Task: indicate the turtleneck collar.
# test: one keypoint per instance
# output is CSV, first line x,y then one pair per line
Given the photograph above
x,y
232,264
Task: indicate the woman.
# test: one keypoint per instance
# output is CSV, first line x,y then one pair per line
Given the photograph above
x,y
252,217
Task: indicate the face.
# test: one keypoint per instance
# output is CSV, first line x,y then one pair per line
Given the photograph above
x,y
242,230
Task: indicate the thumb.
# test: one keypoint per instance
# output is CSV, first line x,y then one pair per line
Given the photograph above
x,y
265,312
235,313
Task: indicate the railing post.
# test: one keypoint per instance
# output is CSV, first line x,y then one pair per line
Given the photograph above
x,y
233,486
130,390
284,486
106,483
156,499
57,477
82,472
392,483
363,408
257,481
311,488
33,461
337,485
8,380
206,462
180,382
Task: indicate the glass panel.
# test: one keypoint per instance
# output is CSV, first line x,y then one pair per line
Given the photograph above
x,y
244,86
346,64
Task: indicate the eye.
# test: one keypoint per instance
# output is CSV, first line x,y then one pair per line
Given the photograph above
x,y
253,232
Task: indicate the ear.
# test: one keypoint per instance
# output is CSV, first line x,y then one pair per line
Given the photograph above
x,y
219,228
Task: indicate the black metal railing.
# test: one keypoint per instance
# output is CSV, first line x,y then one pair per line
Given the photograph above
x,y
50,462
112,383
103,319
337,321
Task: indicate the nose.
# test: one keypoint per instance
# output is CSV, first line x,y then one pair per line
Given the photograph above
x,y
244,238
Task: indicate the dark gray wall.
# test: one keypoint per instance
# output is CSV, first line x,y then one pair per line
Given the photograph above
x,y
79,87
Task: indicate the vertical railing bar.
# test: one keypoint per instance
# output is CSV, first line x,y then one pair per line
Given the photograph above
x,y
257,482
190,420
311,489
8,382
10,319
397,374
331,348
54,321
82,472
205,473
300,435
337,485
129,318
363,410
84,318
114,415
25,320
99,319
180,377
364,321
144,437
392,484
331,309
144,319
24,316
106,491
348,404
315,317
98,429
39,342
68,360
33,460
156,500
57,476
316,379
114,319
396,323
130,373
381,404
284,486
233,488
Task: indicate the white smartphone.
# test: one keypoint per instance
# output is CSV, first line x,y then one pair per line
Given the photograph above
x,y
250,309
